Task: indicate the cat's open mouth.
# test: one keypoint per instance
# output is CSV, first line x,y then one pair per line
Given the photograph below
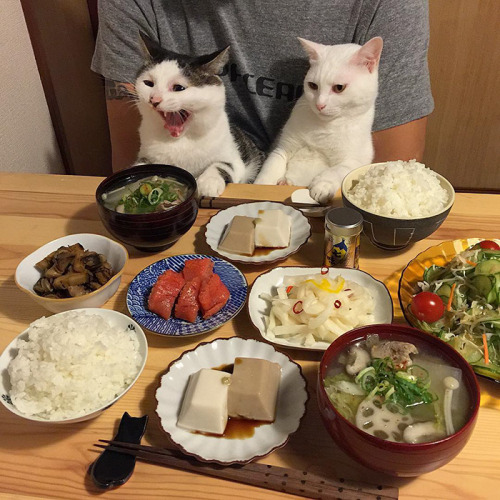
x,y
175,121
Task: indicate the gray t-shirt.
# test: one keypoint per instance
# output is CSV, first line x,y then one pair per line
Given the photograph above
x,y
267,64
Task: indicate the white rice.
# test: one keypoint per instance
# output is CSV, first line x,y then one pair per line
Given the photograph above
x,y
400,189
72,365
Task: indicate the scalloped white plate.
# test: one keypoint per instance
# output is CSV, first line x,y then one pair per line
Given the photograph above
x,y
268,282
300,231
291,406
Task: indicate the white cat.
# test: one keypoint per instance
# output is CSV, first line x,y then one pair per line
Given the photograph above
x,y
329,130
184,122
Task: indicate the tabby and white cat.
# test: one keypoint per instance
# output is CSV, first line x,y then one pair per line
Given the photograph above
x,y
329,130
184,122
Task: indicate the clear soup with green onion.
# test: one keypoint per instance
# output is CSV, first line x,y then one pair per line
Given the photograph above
x,y
397,392
152,194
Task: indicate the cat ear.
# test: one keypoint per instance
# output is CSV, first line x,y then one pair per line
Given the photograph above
x,y
312,49
150,48
213,63
369,54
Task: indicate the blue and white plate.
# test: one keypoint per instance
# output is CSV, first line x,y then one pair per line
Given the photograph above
x,y
139,289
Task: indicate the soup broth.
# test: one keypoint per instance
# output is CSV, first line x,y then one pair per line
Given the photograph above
x,y
151,194
398,392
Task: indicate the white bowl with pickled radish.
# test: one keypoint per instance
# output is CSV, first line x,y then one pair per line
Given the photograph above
x,y
309,307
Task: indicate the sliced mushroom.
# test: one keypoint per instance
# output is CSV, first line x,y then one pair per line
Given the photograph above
x,y
357,360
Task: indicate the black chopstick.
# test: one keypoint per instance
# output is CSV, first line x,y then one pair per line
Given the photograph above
x,y
300,483
211,202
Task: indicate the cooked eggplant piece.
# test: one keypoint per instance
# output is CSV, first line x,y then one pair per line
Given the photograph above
x,y
92,260
72,271
77,290
62,260
43,287
45,263
78,262
70,279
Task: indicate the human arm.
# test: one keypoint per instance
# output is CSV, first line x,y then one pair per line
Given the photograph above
x,y
403,142
123,122
118,57
404,98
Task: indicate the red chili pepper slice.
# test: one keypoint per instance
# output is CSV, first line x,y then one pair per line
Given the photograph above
x,y
337,304
324,270
289,288
294,308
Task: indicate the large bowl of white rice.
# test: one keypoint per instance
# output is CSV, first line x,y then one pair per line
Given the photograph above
x,y
401,201
71,366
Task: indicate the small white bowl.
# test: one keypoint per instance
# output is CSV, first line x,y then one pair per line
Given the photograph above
x,y
114,318
268,282
299,234
291,406
27,275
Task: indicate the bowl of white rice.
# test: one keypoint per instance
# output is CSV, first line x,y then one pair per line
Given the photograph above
x,y
401,201
71,366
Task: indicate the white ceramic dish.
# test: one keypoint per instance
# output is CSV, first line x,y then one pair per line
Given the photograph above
x,y
27,275
303,196
115,319
267,283
292,398
300,231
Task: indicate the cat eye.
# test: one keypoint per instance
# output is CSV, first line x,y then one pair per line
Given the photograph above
x,y
178,88
338,89
149,83
312,86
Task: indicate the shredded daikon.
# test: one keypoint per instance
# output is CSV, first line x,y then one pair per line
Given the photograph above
x,y
308,309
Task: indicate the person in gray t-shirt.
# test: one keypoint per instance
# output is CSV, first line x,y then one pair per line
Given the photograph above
x,y
267,65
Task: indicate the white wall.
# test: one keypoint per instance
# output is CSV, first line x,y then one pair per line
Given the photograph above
x,y
27,139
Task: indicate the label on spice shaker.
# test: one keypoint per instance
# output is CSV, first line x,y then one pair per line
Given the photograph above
x,y
342,237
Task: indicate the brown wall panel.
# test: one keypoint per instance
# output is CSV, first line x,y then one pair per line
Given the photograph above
x,y
463,134
63,43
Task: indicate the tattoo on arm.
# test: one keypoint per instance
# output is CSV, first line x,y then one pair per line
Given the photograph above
x,y
117,90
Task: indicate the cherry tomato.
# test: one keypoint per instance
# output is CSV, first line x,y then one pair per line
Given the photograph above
x,y
489,245
427,306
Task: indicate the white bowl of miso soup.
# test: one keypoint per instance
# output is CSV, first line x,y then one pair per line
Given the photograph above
x,y
397,400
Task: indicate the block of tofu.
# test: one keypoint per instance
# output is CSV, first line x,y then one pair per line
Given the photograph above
x,y
253,392
239,237
272,229
204,407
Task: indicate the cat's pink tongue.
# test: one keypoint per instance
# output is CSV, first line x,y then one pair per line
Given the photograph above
x,y
174,123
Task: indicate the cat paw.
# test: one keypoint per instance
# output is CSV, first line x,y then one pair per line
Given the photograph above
x,y
210,185
283,182
323,191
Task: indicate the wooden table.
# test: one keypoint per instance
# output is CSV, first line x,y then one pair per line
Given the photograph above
x,y
50,461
